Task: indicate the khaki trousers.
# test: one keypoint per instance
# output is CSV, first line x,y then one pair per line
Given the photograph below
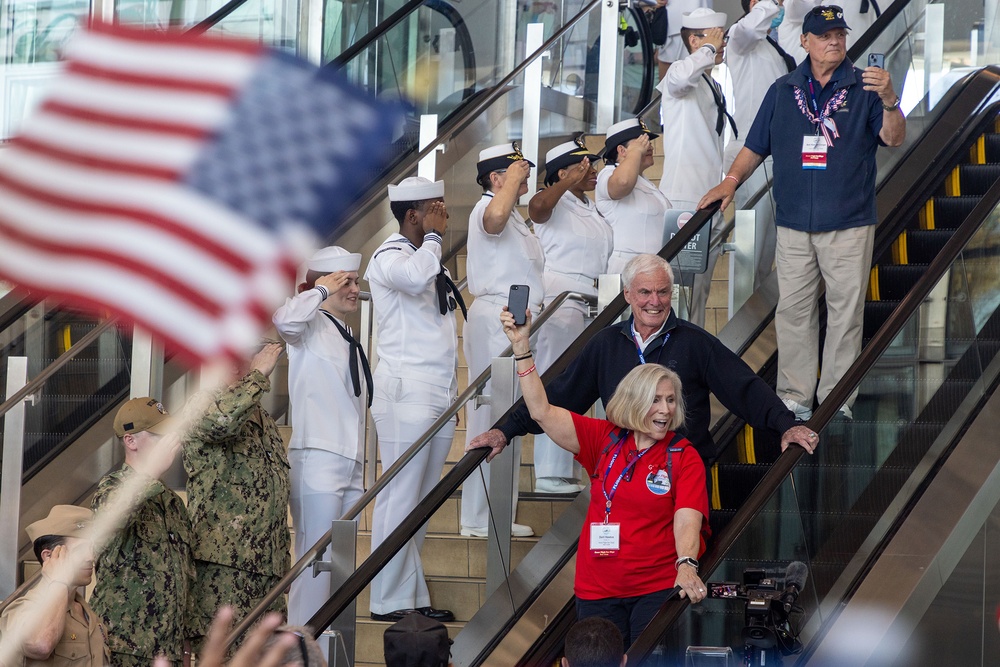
x,y
842,259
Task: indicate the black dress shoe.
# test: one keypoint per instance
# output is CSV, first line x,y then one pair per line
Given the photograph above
x,y
394,616
442,615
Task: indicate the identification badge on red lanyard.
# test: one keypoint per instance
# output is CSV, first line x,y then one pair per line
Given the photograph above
x,y
814,149
605,539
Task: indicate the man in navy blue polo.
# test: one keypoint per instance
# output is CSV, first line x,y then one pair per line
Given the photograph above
x,y
822,123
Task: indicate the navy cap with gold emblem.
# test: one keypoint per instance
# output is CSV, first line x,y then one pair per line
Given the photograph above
x,y
564,155
622,132
496,158
824,18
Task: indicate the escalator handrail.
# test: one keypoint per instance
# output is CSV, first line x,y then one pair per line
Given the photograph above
x,y
407,528
209,21
457,122
776,475
54,367
387,476
384,26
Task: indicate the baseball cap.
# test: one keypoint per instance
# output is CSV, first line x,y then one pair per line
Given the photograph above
x,y
142,414
824,18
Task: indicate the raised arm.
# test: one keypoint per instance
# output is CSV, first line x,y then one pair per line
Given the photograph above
x,y
625,175
498,211
555,421
541,205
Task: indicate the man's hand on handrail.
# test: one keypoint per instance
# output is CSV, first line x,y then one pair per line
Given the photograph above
x,y
494,439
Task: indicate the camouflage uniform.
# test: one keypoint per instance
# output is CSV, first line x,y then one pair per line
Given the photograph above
x,y
238,501
143,575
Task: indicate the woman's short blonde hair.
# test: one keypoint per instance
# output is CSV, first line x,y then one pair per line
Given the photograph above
x,y
635,394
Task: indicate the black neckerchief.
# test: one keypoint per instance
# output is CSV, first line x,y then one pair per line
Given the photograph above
x,y
720,105
789,60
355,352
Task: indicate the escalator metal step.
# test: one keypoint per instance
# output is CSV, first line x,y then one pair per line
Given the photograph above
x,y
950,212
894,282
977,179
876,313
992,143
922,246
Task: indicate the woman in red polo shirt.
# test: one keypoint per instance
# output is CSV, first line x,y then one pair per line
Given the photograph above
x,y
647,520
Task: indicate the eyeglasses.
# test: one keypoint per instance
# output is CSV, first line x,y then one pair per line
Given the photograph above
x,y
702,35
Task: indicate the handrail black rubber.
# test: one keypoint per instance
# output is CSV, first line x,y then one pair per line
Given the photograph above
x,y
775,476
384,26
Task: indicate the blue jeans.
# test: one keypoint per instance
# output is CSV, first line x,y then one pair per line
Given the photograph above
x,y
631,615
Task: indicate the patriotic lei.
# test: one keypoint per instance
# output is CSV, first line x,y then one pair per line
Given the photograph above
x,y
831,107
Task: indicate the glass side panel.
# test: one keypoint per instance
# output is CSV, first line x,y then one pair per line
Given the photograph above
x,y
77,394
837,505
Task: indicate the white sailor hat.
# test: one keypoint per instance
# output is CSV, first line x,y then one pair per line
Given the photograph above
x,y
334,258
703,17
499,157
416,188
564,155
619,133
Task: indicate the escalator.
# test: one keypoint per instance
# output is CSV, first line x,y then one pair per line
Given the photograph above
x,y
921,380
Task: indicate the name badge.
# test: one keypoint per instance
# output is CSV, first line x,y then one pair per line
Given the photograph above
x,y
814,151
605,539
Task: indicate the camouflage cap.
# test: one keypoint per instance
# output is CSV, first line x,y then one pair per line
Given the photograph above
x,y
62,521
142,414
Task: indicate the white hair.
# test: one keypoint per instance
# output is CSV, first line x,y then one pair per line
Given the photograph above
x,y
646,263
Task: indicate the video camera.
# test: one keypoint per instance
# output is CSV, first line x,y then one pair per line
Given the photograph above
x,y
770,600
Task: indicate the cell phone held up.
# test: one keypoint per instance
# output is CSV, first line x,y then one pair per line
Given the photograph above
x,y
876,60
517,303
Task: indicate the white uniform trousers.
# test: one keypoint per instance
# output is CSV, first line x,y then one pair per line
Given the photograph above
x,y
403,410
842,259
618,260
324,485
482,339
562,328
702,281
764,239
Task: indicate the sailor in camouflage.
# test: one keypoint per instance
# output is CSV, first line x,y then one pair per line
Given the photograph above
x,y
145,570
237,498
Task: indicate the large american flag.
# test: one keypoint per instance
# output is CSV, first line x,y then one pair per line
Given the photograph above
x,y
179,180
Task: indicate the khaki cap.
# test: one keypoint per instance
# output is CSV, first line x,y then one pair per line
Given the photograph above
x,y
142,414
62,521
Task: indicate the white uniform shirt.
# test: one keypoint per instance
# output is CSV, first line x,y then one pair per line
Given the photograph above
x,y
754,64
790,30
415,341
497,261
577,242
692,149
325,412
636,219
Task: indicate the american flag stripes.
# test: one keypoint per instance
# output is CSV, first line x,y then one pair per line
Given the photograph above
x,y
178,181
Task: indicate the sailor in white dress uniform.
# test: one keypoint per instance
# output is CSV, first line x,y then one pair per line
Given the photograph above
x,y
694,122
328,387
502,252
629,201
577,243
415,381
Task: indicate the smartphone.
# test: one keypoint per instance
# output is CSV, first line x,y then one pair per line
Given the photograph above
x,y
517,302
876,60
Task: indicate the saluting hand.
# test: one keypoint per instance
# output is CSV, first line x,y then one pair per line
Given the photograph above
x,y
518,171
435,218
578,173
265,360
333,282
638,146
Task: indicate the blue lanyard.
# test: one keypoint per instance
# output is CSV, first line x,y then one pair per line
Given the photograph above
x,y
638,348
815,104
609,496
